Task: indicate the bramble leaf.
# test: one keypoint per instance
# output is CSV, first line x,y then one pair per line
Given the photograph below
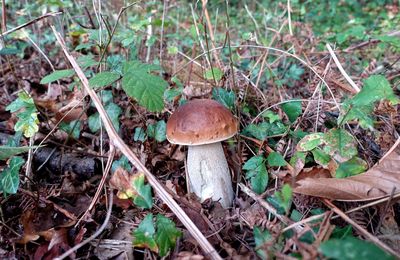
x,y
103,79
56,75
257,173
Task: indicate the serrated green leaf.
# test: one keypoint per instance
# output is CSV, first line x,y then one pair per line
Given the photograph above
x,y
351,167
261,237
264,129
226,98
213,73
339,144
284,197
276,159
360,113
56,75
292,109
9,178
103,79
272,117
7,151
166,234
309,142
351,248
146,88
320,157
375,88
143,236
256,171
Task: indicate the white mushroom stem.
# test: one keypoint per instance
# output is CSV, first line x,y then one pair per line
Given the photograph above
x,y
209,175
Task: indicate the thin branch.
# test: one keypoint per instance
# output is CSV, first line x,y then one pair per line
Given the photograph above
x,y
119,143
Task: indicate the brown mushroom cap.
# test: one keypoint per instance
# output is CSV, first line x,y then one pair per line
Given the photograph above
x,y
201,121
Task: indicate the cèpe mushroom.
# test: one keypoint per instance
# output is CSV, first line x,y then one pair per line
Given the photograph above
x,y
202,124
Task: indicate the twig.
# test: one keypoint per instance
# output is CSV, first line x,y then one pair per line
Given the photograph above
x,y
3,16
285,220
119,143
360,229
345,75
289,10
210,30
96,234
53,14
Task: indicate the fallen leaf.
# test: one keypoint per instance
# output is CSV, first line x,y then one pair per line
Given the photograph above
x,y
379,181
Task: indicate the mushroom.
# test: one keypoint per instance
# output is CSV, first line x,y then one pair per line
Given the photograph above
x,y
202,124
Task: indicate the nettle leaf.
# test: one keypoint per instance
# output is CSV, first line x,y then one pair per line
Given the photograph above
x,y
257,173
226,98
292,109
276,160
339,144
351,248
143,236
7,151
27,114
57,75
166,235
212,73
351,167
146,88
9,178
157,131
103,79
309,142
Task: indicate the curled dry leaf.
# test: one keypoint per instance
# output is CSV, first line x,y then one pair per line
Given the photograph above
x,y
379,181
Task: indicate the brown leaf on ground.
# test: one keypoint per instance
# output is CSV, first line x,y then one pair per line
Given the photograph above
x,y
379,181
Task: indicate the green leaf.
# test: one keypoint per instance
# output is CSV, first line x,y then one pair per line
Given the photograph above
x,y
146,88
276,160
103,79
123,162
7,151
84,46
257,173
213,73
143,236
226,98
284,197
9,178
320,157
261,237
166,235
157,131
351,248
56,75
375,88
142,192
139,135
273,117
264,129
298,161
113,111
27,114
309,142
351,167
360,113
9,51
292,109
340,145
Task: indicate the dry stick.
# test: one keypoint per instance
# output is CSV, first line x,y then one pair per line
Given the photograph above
x,y
3,16
285,220
360,229
96,234
210,29
119,143
30,22
345,75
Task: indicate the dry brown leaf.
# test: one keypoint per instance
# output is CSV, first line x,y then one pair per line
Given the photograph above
x,y
379,181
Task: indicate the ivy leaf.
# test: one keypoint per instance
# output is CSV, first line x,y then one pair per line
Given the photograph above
x,y
103,79
351,248
292,109
351,167
56,75
143,236
166,235
157,131
146,88
226,98
139,134
9,178
276,160
113,111
340,144
27,114
131,186
309,142
7,151
257,173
